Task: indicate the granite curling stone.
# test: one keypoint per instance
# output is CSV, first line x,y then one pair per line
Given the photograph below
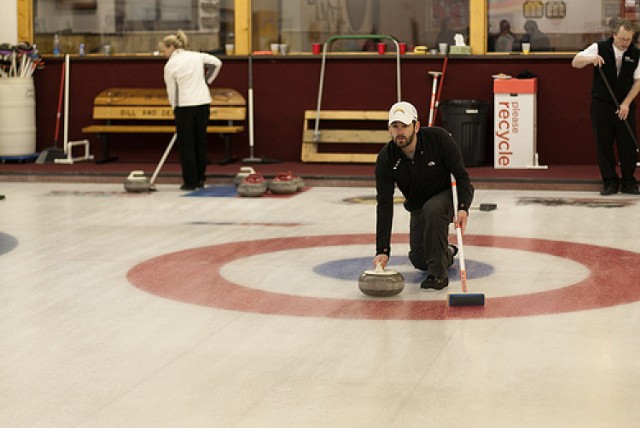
x,y
137,182
253,185
381,282
283,184
244,172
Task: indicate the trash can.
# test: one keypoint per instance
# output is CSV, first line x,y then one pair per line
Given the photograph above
x,y
466,120
17,116
515,124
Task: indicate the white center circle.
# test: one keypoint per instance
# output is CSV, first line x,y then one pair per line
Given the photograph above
x,y
516,272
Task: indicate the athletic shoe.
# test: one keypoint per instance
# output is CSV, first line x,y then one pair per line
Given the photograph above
x,y
452,251
431,282
609,189
630,189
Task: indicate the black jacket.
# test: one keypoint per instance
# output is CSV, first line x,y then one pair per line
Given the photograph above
x,y
437,156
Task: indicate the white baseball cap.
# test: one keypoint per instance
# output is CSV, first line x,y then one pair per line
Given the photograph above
x,y
403,112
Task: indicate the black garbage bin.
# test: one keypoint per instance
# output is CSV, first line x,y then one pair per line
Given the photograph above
x,y
466,120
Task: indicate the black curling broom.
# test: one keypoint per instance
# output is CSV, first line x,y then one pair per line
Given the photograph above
x,y
615,101
465,298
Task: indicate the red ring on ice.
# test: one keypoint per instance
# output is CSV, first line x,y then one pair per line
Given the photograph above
x,y
193,276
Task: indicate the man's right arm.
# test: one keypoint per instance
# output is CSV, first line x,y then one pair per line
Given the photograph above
x,y
385,188
587,57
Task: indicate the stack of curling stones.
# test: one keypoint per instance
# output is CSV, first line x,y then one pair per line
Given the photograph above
x,y
381,282
252,185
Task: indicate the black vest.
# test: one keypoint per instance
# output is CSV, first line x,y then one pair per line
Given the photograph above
x,y
621,84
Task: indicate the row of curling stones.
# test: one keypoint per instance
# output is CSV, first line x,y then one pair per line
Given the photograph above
x,y
252,184
381,282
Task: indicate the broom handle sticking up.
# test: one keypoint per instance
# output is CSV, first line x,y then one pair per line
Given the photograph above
x,y
463,268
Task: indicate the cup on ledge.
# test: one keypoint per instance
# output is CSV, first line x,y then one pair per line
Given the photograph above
x,y
442,47
382,48
526,48
275,48
284,48
228,48
402,48
316,48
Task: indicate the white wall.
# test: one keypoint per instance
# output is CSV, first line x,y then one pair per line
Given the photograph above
x,y
9,23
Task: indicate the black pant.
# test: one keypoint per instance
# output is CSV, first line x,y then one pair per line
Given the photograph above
x,y
429,235
191,126
609,129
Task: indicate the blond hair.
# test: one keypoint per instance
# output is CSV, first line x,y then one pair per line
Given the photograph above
x,y
178,40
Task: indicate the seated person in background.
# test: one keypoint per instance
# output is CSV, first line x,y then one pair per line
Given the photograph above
x,y
505,40
538,40
445,35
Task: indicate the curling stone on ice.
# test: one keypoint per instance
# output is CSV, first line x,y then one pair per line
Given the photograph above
x,y
252,185
283,184
137,182
299,182
244,172
381,282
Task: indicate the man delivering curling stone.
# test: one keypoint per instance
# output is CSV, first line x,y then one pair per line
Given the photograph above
x,y
419,161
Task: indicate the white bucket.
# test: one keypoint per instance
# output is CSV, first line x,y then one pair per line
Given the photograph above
x,y
17,116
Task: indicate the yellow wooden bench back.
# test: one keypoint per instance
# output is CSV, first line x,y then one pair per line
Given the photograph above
x,y
153,104
375,135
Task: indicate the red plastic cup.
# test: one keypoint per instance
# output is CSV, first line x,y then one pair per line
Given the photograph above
x,y
317,48
382,48
403,48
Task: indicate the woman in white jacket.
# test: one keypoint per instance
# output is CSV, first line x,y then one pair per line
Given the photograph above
x,y
187,76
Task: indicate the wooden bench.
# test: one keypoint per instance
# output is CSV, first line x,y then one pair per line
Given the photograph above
x,y
349,136
147,111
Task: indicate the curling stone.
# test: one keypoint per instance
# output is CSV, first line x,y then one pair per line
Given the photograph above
x,y
252,185
381,282
283,184
242,174
299,182
137,182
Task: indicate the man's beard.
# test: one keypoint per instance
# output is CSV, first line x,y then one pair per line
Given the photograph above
x,y
408,139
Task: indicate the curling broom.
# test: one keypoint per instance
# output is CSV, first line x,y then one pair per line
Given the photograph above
x,y
465,298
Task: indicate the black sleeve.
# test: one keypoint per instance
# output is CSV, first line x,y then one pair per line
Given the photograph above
x,y
385,188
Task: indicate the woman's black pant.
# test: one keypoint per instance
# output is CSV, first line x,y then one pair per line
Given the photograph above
x,y
191,127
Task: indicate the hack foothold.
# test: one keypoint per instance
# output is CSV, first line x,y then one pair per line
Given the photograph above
x,y
488,207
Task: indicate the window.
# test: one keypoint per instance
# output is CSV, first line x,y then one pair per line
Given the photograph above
x,y
300,23
131,26
567,25
136,26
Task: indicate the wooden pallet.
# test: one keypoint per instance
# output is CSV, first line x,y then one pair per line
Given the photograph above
x,y
365,130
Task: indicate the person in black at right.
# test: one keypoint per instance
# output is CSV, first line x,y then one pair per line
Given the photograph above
x,y
619,60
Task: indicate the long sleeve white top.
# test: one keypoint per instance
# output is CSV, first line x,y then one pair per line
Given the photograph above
x,y
184,77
